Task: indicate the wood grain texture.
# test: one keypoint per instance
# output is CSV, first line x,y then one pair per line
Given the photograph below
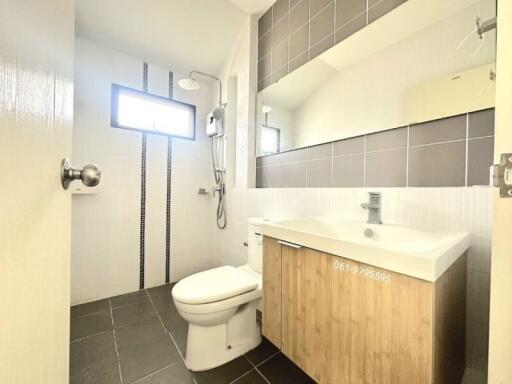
x,y
341,325
450,321
272,291
36,121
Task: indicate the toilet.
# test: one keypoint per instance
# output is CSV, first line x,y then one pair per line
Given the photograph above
x,y
220,307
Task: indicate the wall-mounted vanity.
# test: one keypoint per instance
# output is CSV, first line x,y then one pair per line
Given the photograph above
x,y
351,302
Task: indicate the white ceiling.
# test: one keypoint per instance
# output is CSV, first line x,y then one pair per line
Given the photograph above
x,y
254,6
177,34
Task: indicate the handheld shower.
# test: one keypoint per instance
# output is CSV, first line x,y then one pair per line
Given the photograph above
x,y
215,129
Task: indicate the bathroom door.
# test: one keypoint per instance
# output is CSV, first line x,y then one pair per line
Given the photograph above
x,y
36,112
500,349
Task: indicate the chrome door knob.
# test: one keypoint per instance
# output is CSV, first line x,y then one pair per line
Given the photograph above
x,y
89,174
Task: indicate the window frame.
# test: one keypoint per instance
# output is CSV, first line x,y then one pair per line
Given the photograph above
x,y
114,110
265,126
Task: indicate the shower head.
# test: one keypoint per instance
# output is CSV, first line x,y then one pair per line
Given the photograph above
x,y
189,84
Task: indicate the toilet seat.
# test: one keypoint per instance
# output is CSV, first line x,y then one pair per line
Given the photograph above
x,y
214,285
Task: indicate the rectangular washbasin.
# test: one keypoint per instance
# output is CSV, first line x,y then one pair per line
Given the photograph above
x,y
423,254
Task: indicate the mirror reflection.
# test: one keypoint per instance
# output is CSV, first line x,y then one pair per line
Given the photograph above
x,y
382,78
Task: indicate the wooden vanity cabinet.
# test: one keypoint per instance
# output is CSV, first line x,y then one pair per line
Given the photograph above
x,y
344,322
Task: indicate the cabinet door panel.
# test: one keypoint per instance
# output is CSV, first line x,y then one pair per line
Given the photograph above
x,y
272,291
343,325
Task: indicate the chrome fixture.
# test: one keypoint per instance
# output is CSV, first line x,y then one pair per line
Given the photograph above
x,y
374,208
218,142
89,174
485,26
501,175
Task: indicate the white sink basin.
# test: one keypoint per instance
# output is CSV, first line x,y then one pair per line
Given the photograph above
x,y
418,253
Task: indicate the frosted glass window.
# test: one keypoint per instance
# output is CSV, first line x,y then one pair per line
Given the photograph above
x,y
270,138
132,109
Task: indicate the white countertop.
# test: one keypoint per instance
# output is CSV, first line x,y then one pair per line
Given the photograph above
x,y
423,254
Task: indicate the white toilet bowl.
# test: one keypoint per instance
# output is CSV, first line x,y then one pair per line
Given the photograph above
x,y
220,306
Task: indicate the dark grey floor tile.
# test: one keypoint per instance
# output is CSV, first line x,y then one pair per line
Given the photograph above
x,y
133,313
139,333
175,374
144,358
178,327
97,373
93,360
89,308
92,350
129,298
262,352
162,298
281,370
90,325
253,377
224,374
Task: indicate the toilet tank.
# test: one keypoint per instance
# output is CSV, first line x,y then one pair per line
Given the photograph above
x,y
255,244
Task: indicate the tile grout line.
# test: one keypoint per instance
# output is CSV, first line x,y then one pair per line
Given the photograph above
x,y
256,367
90,314
267,359
168,333
154,373
115,341
88,337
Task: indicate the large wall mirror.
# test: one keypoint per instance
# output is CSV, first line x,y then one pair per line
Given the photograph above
x,y
423,61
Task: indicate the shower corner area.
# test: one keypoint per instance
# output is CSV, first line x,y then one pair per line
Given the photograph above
x,y
150,222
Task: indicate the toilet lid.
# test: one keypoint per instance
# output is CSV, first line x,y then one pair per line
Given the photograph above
x,y
213,285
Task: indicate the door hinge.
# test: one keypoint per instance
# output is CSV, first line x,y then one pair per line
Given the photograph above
x,y
501,175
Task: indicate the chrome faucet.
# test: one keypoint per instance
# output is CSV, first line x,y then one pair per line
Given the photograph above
x,y
374,208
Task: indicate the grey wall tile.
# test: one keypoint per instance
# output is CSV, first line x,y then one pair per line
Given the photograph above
x,y
281,8
319,173
293,3
299,15
350,28
298,61
381,8
279,56
264,45
281,31
481,123
322,25
299,41
264,68
321,47
393,138
349,146
438,165
264,83
277,158
437,131
296,175
480,158
296,155
279,73
259,161
263,177
347,10
348,171
317,5
386,168
265,22
278,176
322,151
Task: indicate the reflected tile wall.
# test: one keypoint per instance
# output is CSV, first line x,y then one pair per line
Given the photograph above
x,y
292,32
452,152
